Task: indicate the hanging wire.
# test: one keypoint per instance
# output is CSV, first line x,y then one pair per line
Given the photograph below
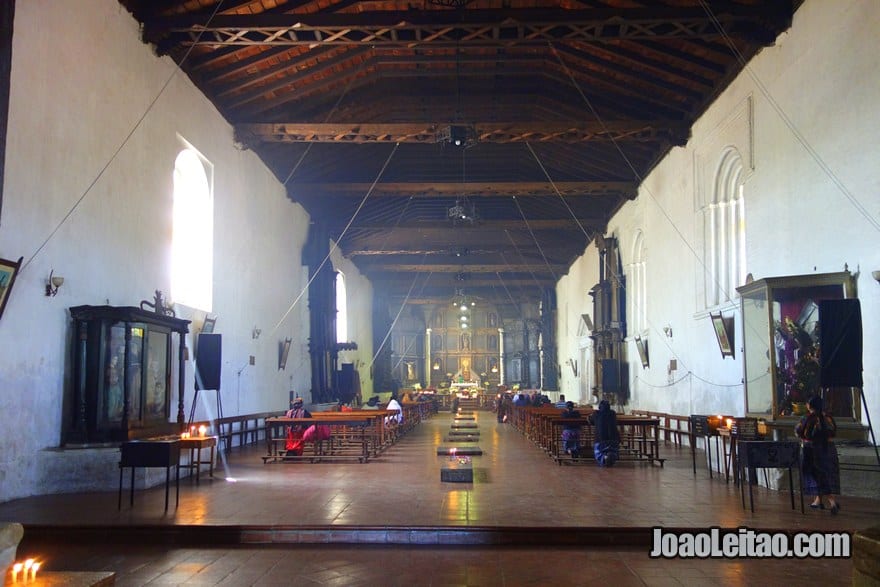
x,y
326,120
336,242
646,188
558,193
127,138
798,135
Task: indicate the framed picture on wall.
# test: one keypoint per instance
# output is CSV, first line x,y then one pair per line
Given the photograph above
x,y
724,333
285,351
8,272
642,346
208,324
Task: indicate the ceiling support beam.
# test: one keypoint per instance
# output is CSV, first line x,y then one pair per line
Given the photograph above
x,y
483,132
414,27
467,189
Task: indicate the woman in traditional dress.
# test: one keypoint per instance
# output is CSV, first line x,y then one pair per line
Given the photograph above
x,y
820,468
606,447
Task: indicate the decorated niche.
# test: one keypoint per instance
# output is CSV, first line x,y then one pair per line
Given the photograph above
x,y
781,345
122,374
609,324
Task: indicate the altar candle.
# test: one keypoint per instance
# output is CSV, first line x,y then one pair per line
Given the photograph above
x,y
730,422
192,430
202,430
16,569
34,568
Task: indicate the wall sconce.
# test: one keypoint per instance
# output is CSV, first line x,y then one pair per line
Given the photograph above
x,y
255,333
667,330
876,275
436,365
494,369
53,283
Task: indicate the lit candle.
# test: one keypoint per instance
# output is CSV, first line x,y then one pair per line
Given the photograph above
x,y
34,568
192,430
730,422
16,569
27,568
202,430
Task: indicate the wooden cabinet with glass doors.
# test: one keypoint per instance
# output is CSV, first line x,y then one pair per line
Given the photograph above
x,y
122,374
781,346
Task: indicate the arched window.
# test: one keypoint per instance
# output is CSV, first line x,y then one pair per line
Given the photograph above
x,y
638,286
341,309
192,246
724,225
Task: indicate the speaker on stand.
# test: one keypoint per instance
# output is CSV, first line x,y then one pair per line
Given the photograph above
x,y
840,351
208,361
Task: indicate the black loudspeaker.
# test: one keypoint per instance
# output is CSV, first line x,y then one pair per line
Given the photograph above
x,y
345,382
610,376
840,343
208,361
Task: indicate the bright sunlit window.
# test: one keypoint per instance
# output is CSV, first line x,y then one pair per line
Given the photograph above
x,y
341,309
192,245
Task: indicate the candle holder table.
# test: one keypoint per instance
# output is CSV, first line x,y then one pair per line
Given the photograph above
x,y
195,444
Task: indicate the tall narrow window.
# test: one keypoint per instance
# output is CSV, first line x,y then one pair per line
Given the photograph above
x,y
341,309
192,244
724,228
638,286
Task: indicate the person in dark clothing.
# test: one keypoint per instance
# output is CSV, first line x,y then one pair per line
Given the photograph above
x,y
571,431
606,447
820,467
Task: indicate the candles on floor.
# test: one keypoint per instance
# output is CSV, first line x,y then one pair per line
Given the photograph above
x,y
26,571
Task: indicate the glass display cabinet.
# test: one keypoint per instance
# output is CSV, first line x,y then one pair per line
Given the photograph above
x,y
122,374
781,345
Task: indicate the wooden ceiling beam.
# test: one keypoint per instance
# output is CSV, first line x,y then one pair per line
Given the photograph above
x,y
536,268
468,189
483,132
427,227
417,27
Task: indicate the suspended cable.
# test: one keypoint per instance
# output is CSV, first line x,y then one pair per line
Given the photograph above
x,y
798,135
558,193
336,242
535,239
127,138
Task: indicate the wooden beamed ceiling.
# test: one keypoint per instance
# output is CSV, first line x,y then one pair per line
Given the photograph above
x,y
561,110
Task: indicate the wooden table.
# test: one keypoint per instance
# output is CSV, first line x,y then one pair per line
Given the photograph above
x,y
195,446
150,453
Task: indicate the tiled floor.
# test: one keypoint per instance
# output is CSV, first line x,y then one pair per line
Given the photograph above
x,y
399,497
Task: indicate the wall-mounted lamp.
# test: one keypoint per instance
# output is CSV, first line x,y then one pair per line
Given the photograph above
x,y
53,283
667,330
876,275
255,333
494,369
436,365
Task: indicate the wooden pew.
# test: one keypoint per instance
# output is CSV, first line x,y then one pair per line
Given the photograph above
x,y
359,434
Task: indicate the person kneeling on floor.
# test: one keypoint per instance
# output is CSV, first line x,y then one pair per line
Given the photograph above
x,y
606,448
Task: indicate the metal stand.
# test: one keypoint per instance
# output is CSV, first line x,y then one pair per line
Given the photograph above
x,y
192,410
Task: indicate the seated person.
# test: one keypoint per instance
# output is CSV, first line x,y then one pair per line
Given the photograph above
x,y
571,432
393,404
294,444
606,447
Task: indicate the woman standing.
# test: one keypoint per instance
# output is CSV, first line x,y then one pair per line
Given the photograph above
x,y
820,468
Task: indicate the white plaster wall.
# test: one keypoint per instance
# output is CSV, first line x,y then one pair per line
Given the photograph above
x,y
360,320
823,76
87,192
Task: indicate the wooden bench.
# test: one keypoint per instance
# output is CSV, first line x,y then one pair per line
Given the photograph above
x,y
673,427
247,428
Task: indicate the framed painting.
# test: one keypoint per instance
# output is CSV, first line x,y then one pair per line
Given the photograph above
x,y
642,346
724,333
284,352
8,271
208,324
